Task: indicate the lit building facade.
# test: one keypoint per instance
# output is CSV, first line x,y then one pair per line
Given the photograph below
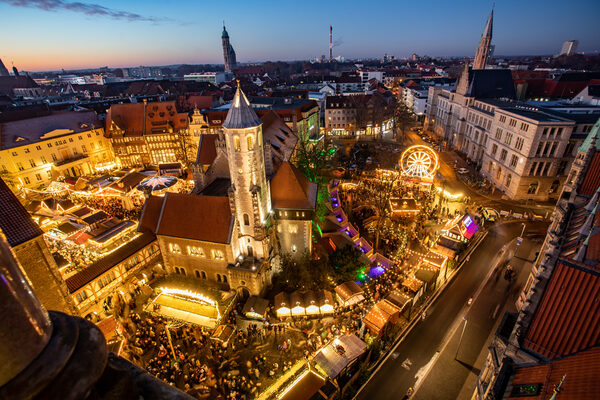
x,y
37,150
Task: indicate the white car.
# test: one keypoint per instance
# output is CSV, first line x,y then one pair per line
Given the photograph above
x,y
463,171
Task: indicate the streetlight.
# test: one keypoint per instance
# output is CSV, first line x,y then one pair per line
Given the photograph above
x,y
461,337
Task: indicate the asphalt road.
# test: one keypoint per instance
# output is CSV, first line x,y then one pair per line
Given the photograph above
x,y
425,358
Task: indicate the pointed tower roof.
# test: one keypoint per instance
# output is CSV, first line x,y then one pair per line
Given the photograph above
x,y
290,189
3,70
224,34
487,31
240,114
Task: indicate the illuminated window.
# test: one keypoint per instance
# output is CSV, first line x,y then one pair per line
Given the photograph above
x,y
217,254
246,220
174,248
236,143
250,142
293,228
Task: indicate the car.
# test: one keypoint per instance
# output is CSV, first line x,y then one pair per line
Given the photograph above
x,y
463,171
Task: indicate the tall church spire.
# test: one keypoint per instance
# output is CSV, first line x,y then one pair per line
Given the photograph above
x,y
228,52
484,49
241,115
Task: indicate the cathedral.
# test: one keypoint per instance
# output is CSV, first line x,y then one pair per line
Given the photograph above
x,y
228,52
250,205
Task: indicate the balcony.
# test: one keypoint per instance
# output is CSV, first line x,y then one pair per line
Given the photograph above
x,y
70,160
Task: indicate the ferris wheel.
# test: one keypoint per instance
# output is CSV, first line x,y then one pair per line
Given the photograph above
x,y
419,162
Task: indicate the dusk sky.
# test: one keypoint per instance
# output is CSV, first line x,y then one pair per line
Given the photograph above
x,y
54,34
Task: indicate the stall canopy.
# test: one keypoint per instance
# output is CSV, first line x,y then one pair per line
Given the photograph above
x,y
339,353
157,183
223,333
349,293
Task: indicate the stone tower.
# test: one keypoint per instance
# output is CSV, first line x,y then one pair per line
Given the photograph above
x,y
484,49
228,52
249,186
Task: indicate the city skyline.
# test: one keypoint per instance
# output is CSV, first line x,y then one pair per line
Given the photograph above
x,y
138,33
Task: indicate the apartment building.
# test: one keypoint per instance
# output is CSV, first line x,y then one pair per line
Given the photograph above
x,y
34,151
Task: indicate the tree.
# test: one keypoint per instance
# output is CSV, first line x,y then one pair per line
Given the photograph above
x,y
311,158
402,120
381,190
345,262
303,272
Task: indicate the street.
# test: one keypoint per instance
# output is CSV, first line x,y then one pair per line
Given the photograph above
x,y
424,360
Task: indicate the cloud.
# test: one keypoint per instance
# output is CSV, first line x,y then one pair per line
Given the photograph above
x,y
83,8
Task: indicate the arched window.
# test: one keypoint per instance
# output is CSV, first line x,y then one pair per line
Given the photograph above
x,y
250,142
197,273
533,187
246,220
236,143
182,271
554,186
218,278
225,278
203,275
508,179
260,138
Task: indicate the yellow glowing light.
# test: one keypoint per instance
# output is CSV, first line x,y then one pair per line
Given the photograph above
x,y
188,293
420,162
448,194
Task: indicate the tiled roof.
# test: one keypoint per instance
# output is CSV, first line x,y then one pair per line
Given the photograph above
x,y
568,317
150,214
240,114
206,218
207,149
27,131
291,189
15,221
283,140
158,117
104,264
591,180
582,377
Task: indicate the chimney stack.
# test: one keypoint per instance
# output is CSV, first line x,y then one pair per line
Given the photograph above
x,y
330,42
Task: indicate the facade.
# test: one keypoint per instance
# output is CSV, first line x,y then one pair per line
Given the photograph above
x,y
145,133
569,48
369,115
213,77
93,288
228,52
484,50
26,240
35,151
557,312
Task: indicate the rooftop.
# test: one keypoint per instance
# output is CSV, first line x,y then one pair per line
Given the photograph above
x,y
15,221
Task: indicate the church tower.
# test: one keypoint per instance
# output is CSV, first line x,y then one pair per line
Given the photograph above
x,y
250,189
228,52
484,50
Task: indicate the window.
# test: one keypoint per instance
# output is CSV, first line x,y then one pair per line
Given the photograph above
x,y
246,220
236,143
503,154
293,228
513,122
539,148
26,151
559,132
490,166
508,138
38,147
80,137
499,173
81,296
503,118
524,126
553,149
545,132
20,166
513,161
217,254
546,169
27,181
195,251
174,248
14,153
561,168
250,142
53,157
43,160
294,248
508,179
203,274
498,134
70,140
83,148
197,273
494,149
32,163
519,143
533,187
49,144
38,177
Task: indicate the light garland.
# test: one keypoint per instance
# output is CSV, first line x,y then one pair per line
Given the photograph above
x,y
193,296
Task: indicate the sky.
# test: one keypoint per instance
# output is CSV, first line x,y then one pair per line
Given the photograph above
x,y
53,34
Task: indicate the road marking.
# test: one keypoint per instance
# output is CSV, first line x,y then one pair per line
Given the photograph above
x,y
406,364
495,313
462,315
424,370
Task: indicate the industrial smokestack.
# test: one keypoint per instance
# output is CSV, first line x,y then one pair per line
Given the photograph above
x,y
330,42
